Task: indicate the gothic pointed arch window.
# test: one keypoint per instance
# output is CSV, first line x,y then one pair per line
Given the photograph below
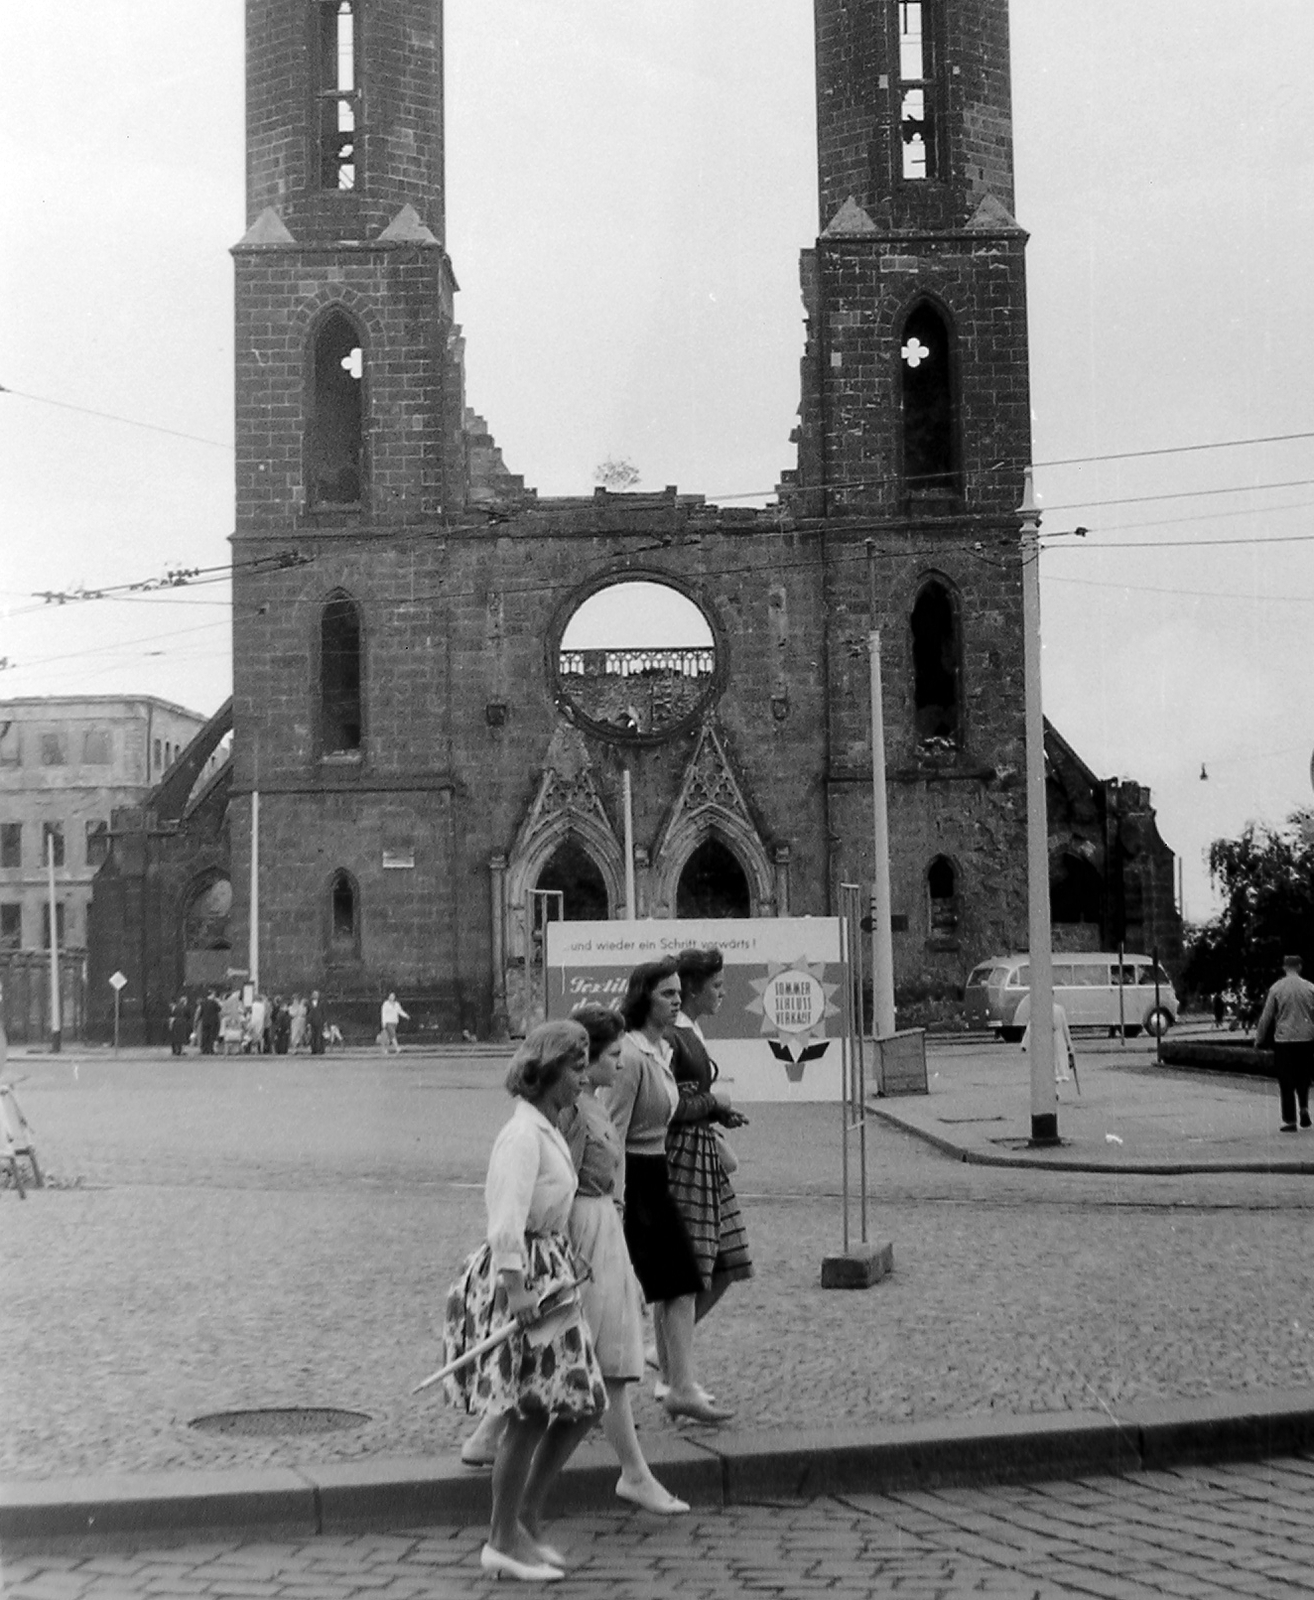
x,y
343,917
713,883
942,899
928,408
341,718
936,653
335,438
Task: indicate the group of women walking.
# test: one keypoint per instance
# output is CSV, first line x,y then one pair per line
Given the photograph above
x,y
612,1169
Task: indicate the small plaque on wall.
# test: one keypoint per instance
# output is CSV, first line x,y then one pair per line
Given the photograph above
x,y
398,858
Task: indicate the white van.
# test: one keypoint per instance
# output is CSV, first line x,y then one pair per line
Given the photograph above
x,y
1094,990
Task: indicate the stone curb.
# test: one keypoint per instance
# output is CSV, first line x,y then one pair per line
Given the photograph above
x,y
710,1470
1057,1162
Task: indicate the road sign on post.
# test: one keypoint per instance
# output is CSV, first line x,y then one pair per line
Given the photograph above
x,y
118,983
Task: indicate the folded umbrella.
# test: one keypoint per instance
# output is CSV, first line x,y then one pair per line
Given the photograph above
x,y
557,1304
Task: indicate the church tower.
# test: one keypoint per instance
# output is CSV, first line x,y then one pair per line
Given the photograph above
x,y
350,464
348,398
914,433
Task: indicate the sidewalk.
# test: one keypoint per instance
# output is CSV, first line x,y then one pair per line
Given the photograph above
x,y
1036,1326
714,1469
1129,1116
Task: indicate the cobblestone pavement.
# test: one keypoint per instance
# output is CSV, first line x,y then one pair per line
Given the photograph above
x,y
280,1233
1194,1533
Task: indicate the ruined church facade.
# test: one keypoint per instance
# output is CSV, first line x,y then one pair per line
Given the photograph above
x,y
437,772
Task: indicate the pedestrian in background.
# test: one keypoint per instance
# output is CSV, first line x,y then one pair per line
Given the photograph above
x,y
253,1041
549,1388
232,1022
297,1024
1286,1026
1065,1054
208,1022
390,1014
315,1024
180,1025
281,1026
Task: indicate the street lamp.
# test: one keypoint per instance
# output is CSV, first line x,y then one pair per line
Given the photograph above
x,y
1044,1091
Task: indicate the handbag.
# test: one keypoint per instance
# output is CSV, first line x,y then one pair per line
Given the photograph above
x,y
729,1160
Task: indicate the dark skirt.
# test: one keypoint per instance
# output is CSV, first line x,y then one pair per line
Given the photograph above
x,y
659,1247
706,1201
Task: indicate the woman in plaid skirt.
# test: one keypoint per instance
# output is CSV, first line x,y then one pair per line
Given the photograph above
x,y
698,1159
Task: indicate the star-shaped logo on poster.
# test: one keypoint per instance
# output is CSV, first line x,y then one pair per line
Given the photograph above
x,y
794,1002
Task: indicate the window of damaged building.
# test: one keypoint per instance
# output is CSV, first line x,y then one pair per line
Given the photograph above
x,y
335,443
917,91
340,677
337,93
344,917
929,413
942,902
937,719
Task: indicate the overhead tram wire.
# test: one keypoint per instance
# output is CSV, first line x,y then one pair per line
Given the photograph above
x,y
973,546
748,494
1230,596
174,578
113,416
979,547
999,551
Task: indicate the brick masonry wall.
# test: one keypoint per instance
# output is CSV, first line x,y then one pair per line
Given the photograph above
x,y
860,291
859,142
400,122
400,297
453,624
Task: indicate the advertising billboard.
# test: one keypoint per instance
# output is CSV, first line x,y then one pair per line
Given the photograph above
x,y
778,1034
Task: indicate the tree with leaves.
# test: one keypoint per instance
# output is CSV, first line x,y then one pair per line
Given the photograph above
x,y
616,474
1267,880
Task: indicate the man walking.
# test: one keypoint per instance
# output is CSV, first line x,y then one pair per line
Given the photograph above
x,y
390,1014
315,1025
1287,1025
208,1022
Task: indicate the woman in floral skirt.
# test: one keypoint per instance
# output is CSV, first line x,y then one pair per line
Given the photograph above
x,y
548,1384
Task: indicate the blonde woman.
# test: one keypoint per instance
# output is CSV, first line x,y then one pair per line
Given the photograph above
x,y
550,1393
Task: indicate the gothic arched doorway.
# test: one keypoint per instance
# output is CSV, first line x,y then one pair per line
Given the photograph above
x,y
572,872
713,884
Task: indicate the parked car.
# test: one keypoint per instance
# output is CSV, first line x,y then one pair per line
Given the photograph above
x,y
1094,989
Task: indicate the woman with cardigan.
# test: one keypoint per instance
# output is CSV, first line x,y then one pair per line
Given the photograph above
x,y
613,1304
547,1384
642,1103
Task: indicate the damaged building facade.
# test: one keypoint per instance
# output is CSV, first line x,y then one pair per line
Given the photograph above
x,y
441,760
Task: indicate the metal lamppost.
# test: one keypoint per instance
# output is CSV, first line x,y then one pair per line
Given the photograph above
x,y
1044,1091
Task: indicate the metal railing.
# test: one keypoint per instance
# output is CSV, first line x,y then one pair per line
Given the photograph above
x,y
694,662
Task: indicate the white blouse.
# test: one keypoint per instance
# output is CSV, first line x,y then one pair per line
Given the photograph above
x,y
530,1186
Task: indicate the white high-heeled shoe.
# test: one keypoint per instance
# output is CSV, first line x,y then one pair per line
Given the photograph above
x,y
498,1565
651,1497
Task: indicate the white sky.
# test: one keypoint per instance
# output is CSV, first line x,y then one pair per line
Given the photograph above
x,y
628,190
